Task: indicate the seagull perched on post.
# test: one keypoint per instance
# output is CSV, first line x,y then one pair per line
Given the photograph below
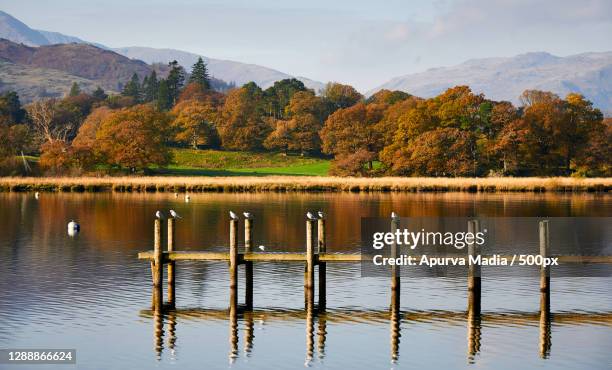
x,y
310,216
233,216
247,215
321,215
159,215
174,214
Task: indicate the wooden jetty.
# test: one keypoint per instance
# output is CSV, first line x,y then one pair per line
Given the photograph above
x,y
319,257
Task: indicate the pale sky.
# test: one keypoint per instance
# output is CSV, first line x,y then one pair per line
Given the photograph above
x,y
363,43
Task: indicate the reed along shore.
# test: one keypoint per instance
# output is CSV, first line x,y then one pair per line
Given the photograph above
x,y
303,184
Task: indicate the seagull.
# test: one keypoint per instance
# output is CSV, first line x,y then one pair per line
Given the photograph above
x,y
310,216
233,216
321,214
394,215
174,214
159,215
247,215
37,195
187,198
73,228
261,247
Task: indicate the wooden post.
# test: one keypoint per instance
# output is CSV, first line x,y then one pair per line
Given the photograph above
x,y
395,274
474,272
544,252
322,266
171,264
157,265
248,266
309,283
233,257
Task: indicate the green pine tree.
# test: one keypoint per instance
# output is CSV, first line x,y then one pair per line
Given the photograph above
x,y
199,74
99,94
150,86
164,100
175,80
132,88
74,89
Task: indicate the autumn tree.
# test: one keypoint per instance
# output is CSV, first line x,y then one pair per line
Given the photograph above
x,y
350,129
300,131
242,125
277,96
340,96
135,137
194,123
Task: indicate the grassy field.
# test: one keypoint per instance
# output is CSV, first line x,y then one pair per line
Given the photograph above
x,y
190,162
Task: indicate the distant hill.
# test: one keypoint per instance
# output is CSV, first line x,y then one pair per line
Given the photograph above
x,y
34,83
227,70
83,60
506,78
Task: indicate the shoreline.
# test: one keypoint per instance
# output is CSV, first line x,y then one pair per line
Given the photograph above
x,y
304,184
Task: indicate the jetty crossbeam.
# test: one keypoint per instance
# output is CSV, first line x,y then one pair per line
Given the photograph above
x,y
251,257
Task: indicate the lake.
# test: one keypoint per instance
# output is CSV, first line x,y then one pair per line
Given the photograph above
x,y
91,293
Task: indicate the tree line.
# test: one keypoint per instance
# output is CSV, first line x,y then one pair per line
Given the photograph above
x,y
457,133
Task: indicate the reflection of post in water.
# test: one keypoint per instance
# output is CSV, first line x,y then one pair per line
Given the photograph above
x,y
474,295
395,319
309,325
321,334
171,317
545,327
395,273
249,333
233,319
158,323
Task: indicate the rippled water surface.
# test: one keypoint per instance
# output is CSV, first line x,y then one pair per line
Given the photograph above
x,y
90,292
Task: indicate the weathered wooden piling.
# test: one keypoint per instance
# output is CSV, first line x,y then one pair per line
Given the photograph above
x,y
157,266
474,274
395,272
544,252
321,246
248,265
233,257
310,261
171,264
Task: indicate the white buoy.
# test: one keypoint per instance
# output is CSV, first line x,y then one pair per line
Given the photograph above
x,y
37,195
176,195
187,198
73,228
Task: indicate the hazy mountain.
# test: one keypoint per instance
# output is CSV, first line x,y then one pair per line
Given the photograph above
x,y
227,70
506,78
13,29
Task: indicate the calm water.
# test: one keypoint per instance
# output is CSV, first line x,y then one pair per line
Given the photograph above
x,y
91,293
